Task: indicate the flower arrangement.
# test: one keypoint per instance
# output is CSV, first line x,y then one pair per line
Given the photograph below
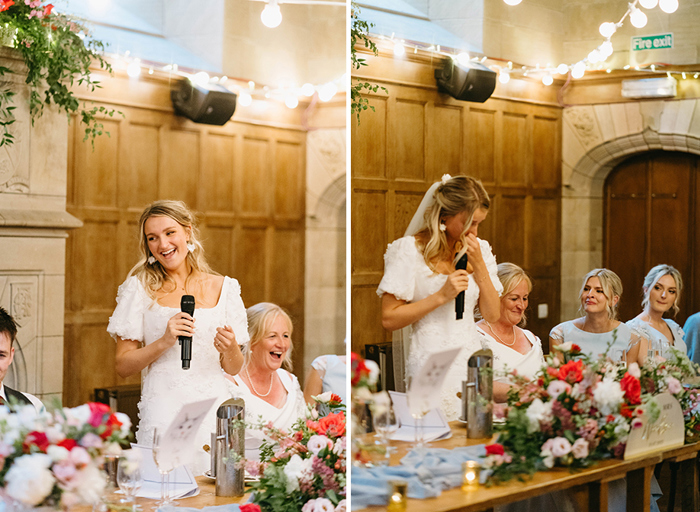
x,y
577,411
54,459
58,52
304,469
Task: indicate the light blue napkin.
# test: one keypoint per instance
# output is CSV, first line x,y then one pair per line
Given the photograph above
x,y
231,507
427,473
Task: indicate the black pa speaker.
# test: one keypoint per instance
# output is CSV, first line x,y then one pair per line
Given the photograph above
x,y
213,104
471,82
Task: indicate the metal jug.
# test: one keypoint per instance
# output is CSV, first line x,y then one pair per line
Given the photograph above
x,y
230,447
479,391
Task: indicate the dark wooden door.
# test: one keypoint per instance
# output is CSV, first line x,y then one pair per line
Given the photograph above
x,y
652,216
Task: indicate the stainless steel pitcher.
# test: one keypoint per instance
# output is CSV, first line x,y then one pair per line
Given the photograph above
x,y
230,447
479,395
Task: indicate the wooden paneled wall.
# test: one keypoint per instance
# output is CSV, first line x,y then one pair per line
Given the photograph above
x,y
414,136
246,181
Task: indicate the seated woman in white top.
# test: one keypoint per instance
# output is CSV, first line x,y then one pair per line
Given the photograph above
x,y
662,293
513,348
328,373
268,391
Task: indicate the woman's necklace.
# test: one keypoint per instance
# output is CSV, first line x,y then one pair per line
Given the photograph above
x,y
499,338
252,386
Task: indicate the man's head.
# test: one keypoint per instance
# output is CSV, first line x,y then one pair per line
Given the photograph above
x,y
8,332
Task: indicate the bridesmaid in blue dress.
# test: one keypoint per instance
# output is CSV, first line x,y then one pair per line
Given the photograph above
x,y
596,329
662,293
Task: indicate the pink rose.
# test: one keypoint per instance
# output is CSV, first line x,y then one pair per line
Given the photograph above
x,y
580,449
633,370
557,387
560,446
674,385
65,473
79,456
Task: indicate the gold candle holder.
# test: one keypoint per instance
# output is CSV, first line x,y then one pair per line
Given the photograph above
x,y
398,489
470,475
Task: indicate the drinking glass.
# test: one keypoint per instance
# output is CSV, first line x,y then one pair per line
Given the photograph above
x,y
164,468
418,408
128,479
385,424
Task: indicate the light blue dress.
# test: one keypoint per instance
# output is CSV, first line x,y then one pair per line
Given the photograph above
x,y
692,337
652,335
594,344
334,371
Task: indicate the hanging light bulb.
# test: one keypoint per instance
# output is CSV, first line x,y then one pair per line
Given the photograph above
x,y
504,76
562,69
399,49
547,79
648,4
606,50
327,91
594,57
201,78
308,90
134,68
668,6
244,99
607,29
291,101
638,18
512,2
578,70
271,16
463,58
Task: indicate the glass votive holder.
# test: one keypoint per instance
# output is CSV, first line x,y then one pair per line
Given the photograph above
x,y
470,475
398,490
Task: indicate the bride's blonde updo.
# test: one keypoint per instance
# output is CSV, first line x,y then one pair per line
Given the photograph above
x,y
153,276
453,196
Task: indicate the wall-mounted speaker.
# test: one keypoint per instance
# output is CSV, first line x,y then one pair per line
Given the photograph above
x,y
213,104
470,82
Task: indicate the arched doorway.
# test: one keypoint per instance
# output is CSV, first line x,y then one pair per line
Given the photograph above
x,y
652,216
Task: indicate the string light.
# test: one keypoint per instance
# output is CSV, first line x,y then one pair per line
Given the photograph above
x,y
271,15
512,2
399,49
134,68
308,90
291,101
578,70
607,29
504,76
244,99
668,6
637,17
562,69
648,4
463,58
547,79
327,91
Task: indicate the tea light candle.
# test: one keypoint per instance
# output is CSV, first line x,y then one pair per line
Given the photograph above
x,y
470,475
398,489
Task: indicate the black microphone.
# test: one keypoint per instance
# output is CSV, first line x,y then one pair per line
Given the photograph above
x,y
459,300
187,306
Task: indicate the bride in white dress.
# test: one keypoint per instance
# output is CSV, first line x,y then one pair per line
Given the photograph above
x,y
147,322
270,393
420,282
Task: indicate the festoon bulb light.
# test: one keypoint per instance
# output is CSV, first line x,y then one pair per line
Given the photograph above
x,y
547,79
512,2
399,49
562,69
463,58
668,6
578,70
648,4
271,15
503,76
244,99
607,29
638,18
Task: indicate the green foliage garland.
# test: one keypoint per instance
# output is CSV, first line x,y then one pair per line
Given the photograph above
x,y
359,31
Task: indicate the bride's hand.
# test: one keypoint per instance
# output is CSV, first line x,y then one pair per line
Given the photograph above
x,y
225,338
476,259
457,281
181,324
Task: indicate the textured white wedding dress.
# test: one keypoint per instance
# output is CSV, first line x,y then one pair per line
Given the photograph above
x,y
407,277
166,387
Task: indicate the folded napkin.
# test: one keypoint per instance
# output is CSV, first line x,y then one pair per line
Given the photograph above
x,y
428,472
231,507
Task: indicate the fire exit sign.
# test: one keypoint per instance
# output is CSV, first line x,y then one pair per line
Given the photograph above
x,y
656,42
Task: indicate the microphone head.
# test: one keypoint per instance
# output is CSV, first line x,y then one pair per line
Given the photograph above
x,y
187,304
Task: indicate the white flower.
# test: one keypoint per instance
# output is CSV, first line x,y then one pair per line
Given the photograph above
x,y
92,484
323,397
55,435
309,506
57,453
445,178
29,479
674,385
560,446
77,416
633,370
28,417
323,505
339,448
557,387
317,443
125,421
565,347
293,470
538,412
112,449
79,456
607,396
580,448
341,507
373,371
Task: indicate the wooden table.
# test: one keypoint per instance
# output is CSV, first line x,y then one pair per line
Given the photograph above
x,y
590,486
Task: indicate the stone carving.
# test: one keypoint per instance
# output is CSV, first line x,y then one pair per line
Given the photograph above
x,y
584,122
14,161
329,145
21,303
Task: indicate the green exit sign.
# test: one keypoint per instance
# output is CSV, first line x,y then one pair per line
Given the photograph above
x,y
656,42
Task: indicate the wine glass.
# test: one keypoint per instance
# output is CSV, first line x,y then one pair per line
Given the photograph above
x,y
385,424
418,407
128,478
164,468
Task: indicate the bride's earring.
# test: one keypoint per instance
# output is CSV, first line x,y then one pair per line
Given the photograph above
x,y
151,260
443,228
190,246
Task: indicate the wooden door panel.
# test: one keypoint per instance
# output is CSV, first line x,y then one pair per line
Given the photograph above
x,y
408,140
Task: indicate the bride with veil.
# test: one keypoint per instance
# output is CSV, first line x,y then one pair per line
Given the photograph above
x,y
420,281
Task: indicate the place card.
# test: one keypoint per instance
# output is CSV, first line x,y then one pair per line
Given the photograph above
x,y
177,443
426,384
666,433
182,482
435,426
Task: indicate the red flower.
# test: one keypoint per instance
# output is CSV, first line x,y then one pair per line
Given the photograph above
x,y
359,370
552,372
335,398
494,449
250,507
332,425
112,424
627,411
6,4
68,444
575,349
47,9
97,413
632,388
571,372
37,439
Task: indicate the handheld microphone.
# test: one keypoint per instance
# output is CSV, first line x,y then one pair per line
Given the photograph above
x,y
459,300
187,306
